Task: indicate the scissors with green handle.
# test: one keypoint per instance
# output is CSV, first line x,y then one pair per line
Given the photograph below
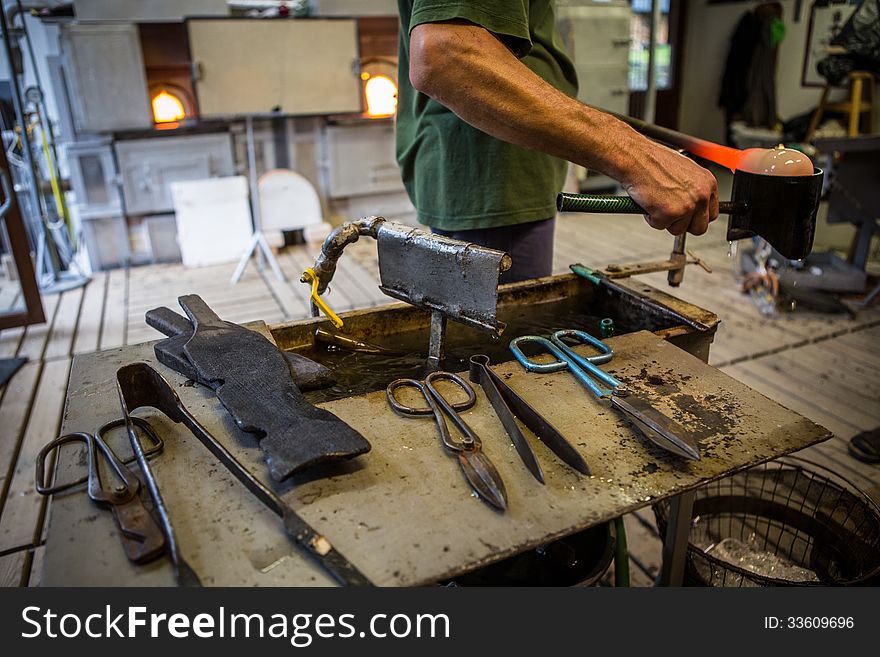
x,y
656,427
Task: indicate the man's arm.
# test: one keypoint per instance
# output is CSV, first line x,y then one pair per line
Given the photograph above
x,y
467,69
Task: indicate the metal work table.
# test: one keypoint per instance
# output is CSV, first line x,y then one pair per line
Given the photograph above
x,y
403,512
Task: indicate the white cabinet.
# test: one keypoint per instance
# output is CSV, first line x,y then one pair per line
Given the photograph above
x,y
597,36
359,158
93,178
147,167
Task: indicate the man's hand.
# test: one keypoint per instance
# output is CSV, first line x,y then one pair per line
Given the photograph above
x,y
677,194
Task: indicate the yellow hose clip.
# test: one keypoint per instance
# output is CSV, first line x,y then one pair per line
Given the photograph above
x,y
309,276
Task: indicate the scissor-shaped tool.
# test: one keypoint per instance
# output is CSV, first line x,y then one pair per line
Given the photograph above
x,y
476,466
142,539
659,429
509,407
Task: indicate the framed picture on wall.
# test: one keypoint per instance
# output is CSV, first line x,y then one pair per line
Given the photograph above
x,y
827,17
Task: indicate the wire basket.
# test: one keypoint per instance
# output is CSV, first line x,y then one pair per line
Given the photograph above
x,y
781,524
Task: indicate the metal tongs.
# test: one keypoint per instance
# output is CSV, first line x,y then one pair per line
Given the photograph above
x,y
656,427
509,407
142,539
140,385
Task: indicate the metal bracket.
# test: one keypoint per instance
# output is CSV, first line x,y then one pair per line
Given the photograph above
x,y
675,264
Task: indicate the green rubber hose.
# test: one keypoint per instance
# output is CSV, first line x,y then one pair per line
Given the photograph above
x,y
600,204
597,203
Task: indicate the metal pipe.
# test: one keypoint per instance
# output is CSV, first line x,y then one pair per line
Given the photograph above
x,y
678,256
331,250
651,90
437,338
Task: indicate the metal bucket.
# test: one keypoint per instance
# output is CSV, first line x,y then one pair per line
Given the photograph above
x,y
581,559
782,524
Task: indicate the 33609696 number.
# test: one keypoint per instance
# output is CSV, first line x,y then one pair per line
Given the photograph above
x,y
809,622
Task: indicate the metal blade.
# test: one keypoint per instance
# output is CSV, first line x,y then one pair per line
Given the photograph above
x,y
659,429
495,391
539,425
483,477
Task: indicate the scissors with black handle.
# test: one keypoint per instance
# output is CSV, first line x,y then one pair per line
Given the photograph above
x,y
479,471
142,538
656,427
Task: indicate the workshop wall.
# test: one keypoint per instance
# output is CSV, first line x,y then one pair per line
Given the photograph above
x,y
708,33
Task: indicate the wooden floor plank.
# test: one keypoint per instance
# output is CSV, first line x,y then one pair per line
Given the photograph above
x,y
34,342
848,372
833,380
64,328
800,382
12,569
645,551
10,339
36,567
113,328
24,507
14,411
91,315
292,304
833,454
780,393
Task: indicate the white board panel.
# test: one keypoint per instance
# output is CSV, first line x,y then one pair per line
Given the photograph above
x,y
213,220
297,67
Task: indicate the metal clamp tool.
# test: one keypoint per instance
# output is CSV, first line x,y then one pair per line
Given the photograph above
x,y
142,539
479,471
656,427
509,407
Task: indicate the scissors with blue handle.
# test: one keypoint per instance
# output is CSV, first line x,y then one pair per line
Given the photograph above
x,y
659,429
479,471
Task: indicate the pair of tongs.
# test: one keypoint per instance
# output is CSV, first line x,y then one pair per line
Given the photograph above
x,y
509,406
142,539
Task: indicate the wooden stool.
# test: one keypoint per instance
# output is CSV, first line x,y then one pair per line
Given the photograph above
x,y
854,107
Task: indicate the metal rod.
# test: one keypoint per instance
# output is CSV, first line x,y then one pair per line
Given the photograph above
x,y
38,220
438,335
681,508
651,89
676,276
183,572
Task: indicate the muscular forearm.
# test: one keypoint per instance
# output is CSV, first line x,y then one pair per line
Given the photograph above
x,y
471,72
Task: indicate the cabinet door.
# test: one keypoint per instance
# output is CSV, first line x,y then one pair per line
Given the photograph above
x,y
605,87
298,67
105,69
359,159
597,35
149,166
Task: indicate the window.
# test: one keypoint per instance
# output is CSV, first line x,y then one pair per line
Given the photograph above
x,y
640,31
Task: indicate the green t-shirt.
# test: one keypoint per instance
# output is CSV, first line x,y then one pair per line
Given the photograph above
x,y
458,177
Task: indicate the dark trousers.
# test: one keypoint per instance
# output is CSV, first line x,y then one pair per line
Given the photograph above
x,y
529,245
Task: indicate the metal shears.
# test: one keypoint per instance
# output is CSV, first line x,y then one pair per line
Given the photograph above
x,y
479,471
142,539
656,427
